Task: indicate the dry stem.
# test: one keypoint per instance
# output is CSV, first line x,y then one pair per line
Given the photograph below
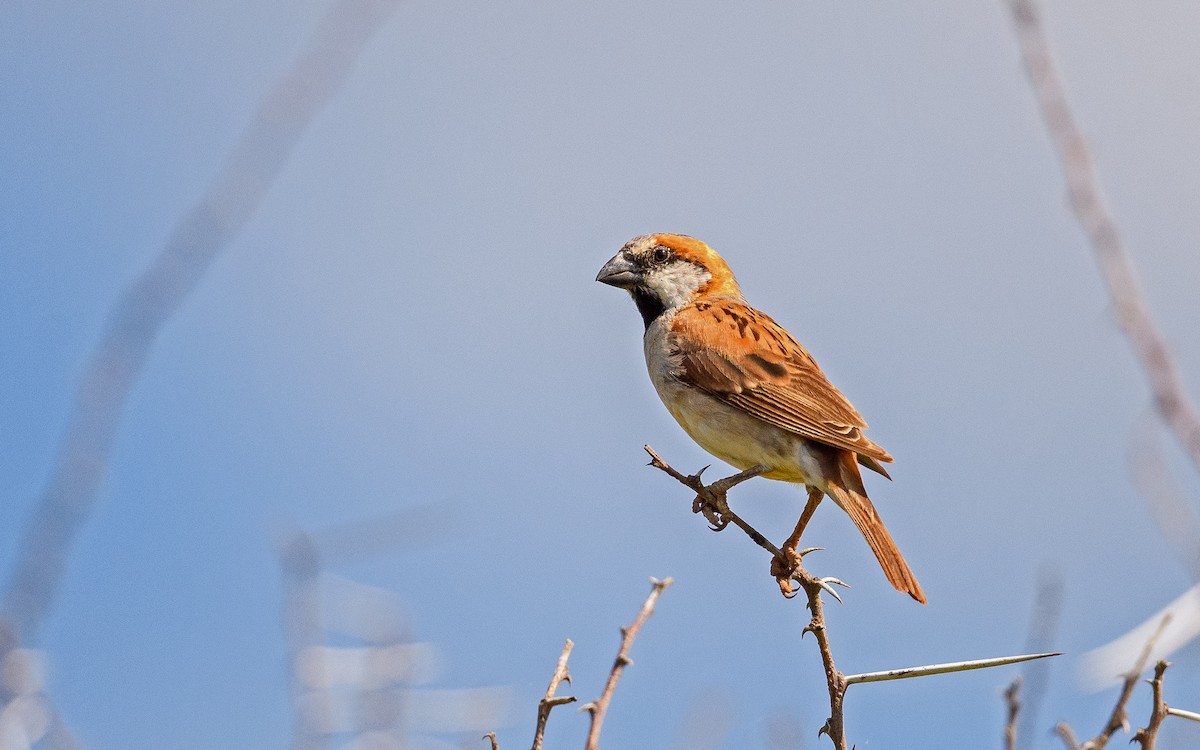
x,y
599,707
550,700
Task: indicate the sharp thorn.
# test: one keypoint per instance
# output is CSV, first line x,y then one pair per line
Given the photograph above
x,y
832,593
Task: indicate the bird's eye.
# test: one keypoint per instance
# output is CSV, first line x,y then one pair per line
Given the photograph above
x,y
661,253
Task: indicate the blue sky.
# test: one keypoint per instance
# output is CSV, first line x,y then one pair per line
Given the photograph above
x,y
410,320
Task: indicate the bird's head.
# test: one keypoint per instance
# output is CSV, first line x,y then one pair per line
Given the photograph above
x,y
667,271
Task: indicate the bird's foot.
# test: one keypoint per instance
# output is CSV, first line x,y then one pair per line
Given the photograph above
x,y
788,569
713,506
711,498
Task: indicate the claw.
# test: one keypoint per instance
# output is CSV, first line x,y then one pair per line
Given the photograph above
x,y
696,477
785,587
806,550
838,581
712,513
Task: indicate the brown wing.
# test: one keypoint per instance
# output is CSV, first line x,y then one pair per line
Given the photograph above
x,y
747,360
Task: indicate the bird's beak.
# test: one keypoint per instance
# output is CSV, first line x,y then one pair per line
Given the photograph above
x,y
620,272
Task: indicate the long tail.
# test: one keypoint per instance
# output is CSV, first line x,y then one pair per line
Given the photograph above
x,y
844,484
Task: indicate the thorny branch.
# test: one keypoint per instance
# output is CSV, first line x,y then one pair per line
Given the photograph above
x,y
1147,735
710,500
1119,719
550,700
599,707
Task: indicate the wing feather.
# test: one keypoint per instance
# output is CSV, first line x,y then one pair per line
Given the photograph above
x,y
744,358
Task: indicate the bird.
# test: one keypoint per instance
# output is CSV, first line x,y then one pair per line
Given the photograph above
x,y
746,391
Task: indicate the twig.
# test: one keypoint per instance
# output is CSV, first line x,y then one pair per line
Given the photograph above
x,y
550,700
599,707
1147,735
1119,718
711,497
1088,203
1012,700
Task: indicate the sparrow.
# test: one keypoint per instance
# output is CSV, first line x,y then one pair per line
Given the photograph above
x,y
746,391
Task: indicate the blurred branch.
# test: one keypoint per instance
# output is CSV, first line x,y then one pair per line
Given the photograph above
x,y
1098,224
550,700
1043,628
1099,666
1064,730
301,567
144,308
1175,516
1012,701
599,707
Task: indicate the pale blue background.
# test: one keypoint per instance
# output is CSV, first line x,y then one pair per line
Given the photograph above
x,y
411,319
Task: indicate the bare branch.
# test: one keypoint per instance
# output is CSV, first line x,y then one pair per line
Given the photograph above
x,y
710,499
1119,718
1012,701
550,700
599,707
1147,735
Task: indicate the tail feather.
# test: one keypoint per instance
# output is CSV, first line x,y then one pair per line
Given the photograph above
x,y
844,485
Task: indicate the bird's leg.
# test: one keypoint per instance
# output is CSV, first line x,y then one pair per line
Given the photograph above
x,y
784,566
815,495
